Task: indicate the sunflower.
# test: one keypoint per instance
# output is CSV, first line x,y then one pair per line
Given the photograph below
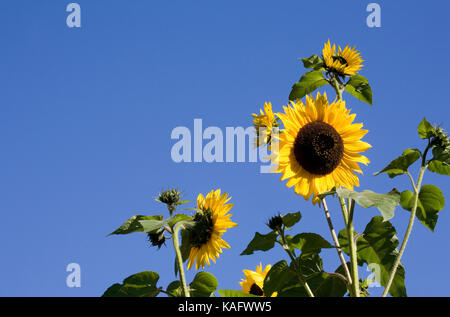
x,y
254,281
264,124
346,62
211,221
319,147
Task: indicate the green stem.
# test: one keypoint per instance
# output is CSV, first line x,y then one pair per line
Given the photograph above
x,y
298,269
337,87
408,230
352,246
336,241
176,245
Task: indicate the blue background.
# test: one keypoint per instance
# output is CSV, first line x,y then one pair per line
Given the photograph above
x,y
86,117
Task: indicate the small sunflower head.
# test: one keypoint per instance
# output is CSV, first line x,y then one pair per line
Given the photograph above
x,y
266,124
170,197
254,281
156,239
210,222
275,223
343,62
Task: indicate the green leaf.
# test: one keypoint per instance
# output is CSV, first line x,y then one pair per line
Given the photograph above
x,y
309,242
313,61
175,289
328,285
152,225
289,220
308,83
233,293
203,285
377,248
133,224
401,164
177,218
322,284
425,129
142,284
439,167
358,86
261,242
430,202
385,203
279,277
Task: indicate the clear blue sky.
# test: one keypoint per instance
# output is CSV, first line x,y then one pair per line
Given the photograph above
x,y
86,116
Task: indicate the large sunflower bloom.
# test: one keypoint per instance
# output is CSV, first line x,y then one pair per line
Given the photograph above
x,y
211,221
346,62
319,147
254,281
264,124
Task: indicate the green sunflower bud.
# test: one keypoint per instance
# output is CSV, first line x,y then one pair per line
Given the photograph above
x,y
157,238
441,144
275,223
170,197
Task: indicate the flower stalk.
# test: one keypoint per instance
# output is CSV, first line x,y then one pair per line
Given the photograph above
x,y
416,188
298,269
336,241
179,258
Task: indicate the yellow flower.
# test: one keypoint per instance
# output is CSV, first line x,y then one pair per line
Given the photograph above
x,y
254,281
264,124
346,62
211,221
319,147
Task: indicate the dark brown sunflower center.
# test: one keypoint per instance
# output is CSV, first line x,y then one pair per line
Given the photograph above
x,y
318,148
341,60
202,230
256,290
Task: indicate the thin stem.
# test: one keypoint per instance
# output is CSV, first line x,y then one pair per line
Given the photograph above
x,y
176,245
336,241
337,87
412,181
298,269
352,246
408,231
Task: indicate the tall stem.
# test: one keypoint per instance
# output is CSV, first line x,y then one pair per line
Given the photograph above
x,y
352,246
176,245
298,269
336,241
408,230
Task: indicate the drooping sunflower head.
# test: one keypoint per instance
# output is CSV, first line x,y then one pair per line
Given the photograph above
x,y
210,222
264,124
319,147
254,281
344,62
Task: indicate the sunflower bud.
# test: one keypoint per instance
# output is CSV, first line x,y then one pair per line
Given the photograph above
x,y
170,197
440,139
157,238
275,223
440,144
